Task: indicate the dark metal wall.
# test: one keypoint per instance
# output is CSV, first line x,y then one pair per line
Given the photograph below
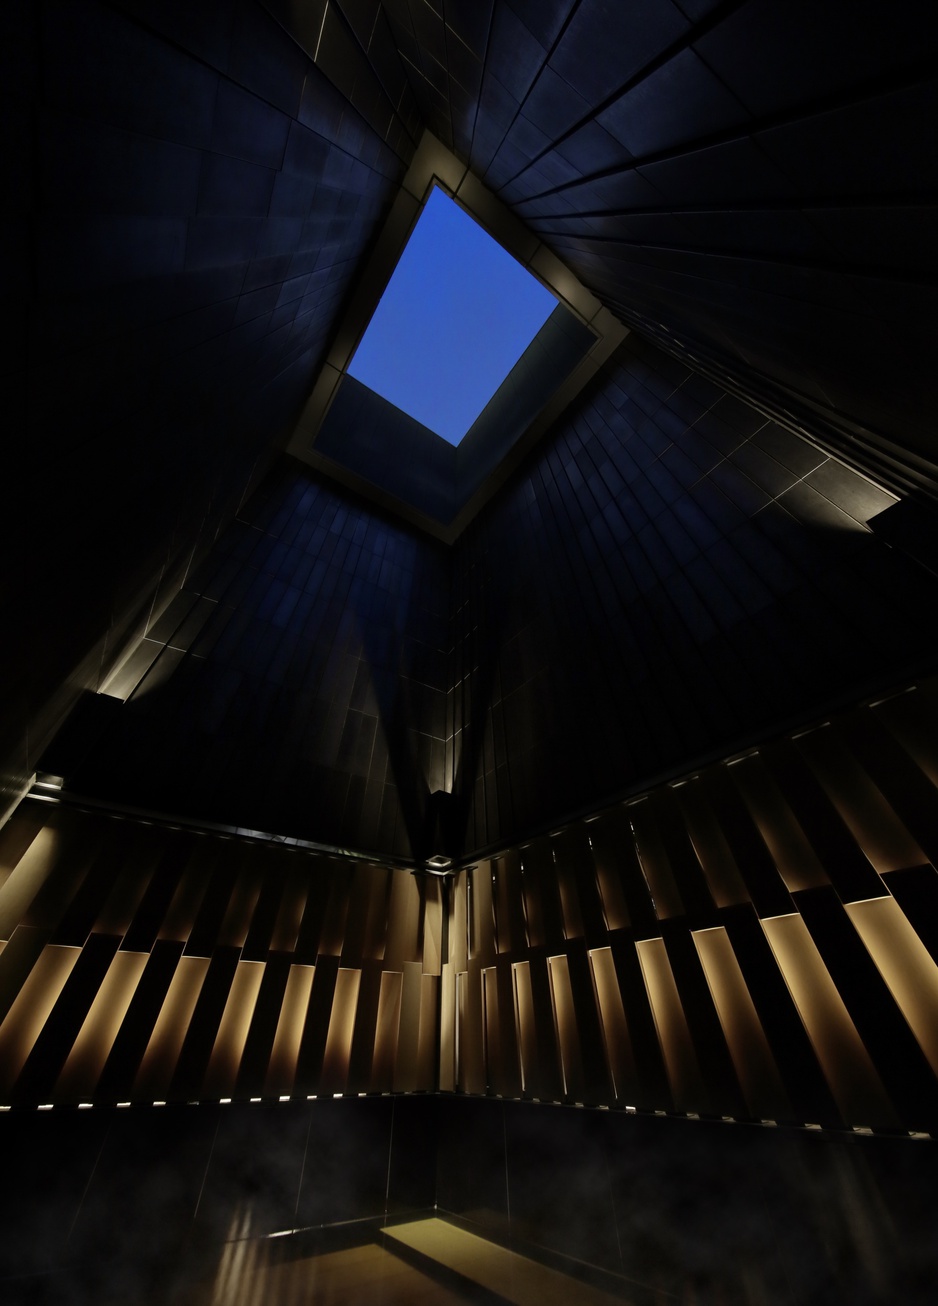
x,y
192,198
755,178
669,575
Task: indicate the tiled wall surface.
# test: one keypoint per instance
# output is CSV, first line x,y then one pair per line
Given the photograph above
x,y
194,199
753,177
693,1211
149,1205
756,941
668,575
298,683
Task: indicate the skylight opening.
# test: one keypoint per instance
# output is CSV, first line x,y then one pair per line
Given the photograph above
x,y
455,318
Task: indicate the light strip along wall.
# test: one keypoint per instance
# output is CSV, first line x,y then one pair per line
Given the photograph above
x,y
757,941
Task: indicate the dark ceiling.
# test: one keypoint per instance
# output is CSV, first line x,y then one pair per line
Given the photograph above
x,y
750,185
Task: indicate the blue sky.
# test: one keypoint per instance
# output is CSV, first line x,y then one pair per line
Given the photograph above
x,y
456,316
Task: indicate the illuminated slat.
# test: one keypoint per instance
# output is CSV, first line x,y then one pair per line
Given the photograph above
x,y
654,861
403,921
619,1053
427,1035
405,1065
565,1019
90,1050
30,1010
26,878
677,1047
335,1064
172,1024
905,964
845,1061
713,851
870,818
387,1029
222,1070
447,1069
281,1069
746,1039
524,1019
796,860
493,1076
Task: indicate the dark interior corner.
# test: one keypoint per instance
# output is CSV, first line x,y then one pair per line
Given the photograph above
x,y
545,913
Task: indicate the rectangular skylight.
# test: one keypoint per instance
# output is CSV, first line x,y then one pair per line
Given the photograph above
x,y
456,316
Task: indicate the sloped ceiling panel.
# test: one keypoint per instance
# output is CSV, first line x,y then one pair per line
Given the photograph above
x,y
751,181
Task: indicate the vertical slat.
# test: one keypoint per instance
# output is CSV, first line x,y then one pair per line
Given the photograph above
x,y
405,1065
749,1047
387,1029
338,1049
905,964
677,1046
845,1061
571,1063
447,1067
85,1062
281,1069
615,1029
162,1052
26,878
221,1073
30,1010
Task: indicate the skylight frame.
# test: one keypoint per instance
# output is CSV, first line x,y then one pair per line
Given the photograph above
x,y
435,165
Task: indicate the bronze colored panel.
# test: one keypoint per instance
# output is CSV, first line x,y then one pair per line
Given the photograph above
x,y
492,1033
318,1015
845,1061
405,1065
565,1023
30,1009
432,950
376,925
796,860
82,1070
472,1030
907,967
509,903
549,1081
565,876
913,719
165,1044
367,883
403,921
459,922
387,1029
338,1049
183,910
334,921
290,916
614,906
204,1024
614,849
615,1031
745,1037
124,1058
870,818
710,844
245,892
281,1069
362,1054
267,1008
161,891
653,858
80,841
269,864
677,1047
427,1037
574,850
524,1022
17,960
481,914
221,1073
23,882
447,1068
17,835
541,895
